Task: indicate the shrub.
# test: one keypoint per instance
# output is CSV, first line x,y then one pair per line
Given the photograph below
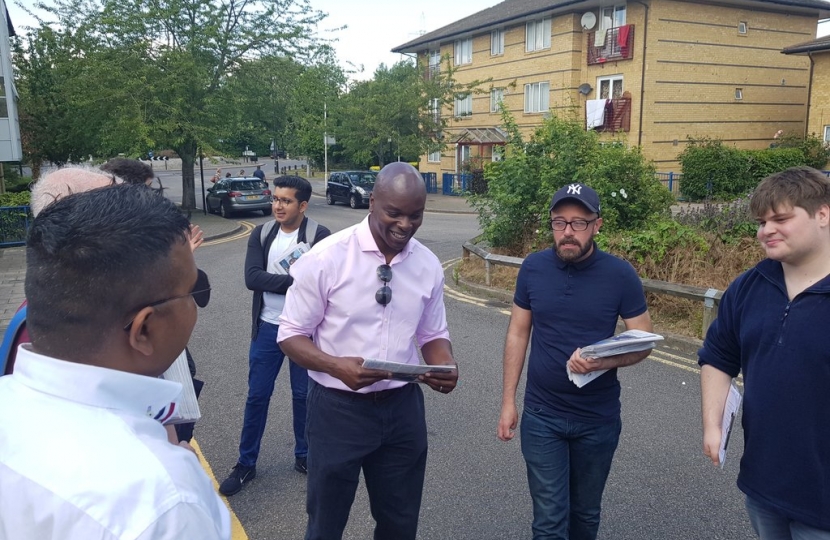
x,y
513,212
713,170
730,222
15,199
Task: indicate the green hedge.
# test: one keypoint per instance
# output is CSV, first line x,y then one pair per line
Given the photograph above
x,y
714,170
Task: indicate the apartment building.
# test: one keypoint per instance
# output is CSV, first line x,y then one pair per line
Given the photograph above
x,y
655,72
817,51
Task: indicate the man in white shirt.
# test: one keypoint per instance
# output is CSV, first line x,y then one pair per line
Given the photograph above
x,y
112,291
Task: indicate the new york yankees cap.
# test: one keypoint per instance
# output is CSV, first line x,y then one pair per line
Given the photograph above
x,y
577,192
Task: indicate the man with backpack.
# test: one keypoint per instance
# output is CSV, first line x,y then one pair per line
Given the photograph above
x,y
267,247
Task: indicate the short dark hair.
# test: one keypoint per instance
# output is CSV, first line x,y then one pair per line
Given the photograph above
x,y
298,183
132,171
797,186
91,258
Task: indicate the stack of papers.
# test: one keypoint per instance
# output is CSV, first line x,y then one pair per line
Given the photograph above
x,y
730,412
405,372
626,342
290,257
186,408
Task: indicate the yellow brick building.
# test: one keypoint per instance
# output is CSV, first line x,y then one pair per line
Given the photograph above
x,y
657,71
817,52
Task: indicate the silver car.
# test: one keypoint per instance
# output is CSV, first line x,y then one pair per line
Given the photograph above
x,y
231,195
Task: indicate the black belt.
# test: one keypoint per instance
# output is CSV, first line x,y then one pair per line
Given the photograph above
x,y
380,395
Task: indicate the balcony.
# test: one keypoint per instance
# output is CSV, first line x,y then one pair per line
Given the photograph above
x,y
616,44
431,72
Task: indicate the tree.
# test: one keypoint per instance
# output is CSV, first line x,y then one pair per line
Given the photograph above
x,y
161,65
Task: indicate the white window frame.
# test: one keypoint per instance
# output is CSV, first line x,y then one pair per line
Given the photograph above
x,y
463,106
463,51
435,109
537,35
434,56
496,96
743,28
537,97
827,134
612,80
434,157
464,153
497,42
739,94
612,16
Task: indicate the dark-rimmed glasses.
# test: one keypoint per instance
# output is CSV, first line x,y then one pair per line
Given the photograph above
x,y
384,295
577,224
283,201
200,294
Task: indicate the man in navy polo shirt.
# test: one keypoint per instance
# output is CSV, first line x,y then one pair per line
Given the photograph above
x,y
571,296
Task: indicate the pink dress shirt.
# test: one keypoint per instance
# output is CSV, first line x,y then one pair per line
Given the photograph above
x,y
332,300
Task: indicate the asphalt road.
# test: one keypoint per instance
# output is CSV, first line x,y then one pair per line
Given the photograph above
x,y
661,486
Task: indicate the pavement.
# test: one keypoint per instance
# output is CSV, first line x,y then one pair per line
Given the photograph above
x,y
13,259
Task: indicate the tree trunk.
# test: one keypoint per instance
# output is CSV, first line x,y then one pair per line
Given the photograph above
x,y
187,152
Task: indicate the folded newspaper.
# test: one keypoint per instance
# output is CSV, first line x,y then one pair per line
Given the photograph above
x,y
186,408
625,342
405,372
290,257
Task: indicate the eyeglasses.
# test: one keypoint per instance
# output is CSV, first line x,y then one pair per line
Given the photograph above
x,y
200,294
384,295
576,225
284,202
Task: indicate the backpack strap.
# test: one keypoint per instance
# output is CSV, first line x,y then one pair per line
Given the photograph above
x,y
310,231
265,231
15,325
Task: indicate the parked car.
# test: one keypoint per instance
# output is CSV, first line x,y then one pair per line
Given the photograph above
x,y
231,195
352,187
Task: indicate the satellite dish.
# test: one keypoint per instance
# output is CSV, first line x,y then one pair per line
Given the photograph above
x,y
588,20
585,89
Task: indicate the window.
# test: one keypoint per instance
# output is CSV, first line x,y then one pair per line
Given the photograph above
x,y
739,93
434,62
827,134
465,153
463,51
612,17
498,153
742,27
464,105
497,42
537,97
537,35
610,87
4,109
434,157
435,110
496,97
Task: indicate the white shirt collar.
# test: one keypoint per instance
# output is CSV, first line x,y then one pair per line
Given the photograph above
x,y
137,395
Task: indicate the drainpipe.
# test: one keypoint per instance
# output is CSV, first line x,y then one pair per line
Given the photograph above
x,y
809,94
643,77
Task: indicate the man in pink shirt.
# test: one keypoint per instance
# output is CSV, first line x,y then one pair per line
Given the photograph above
x,y
342,299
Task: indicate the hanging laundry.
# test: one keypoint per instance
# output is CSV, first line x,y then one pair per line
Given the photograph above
x,y
594,113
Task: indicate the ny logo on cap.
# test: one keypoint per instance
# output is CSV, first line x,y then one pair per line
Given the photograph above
x,y
575,189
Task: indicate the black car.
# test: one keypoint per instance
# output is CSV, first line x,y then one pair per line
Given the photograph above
x,y
352,187
231,195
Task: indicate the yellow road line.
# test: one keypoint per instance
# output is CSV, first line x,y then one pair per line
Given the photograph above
x,y
237,532
247,228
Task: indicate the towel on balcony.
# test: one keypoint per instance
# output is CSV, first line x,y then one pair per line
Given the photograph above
x,y
599,37
595,113
622,36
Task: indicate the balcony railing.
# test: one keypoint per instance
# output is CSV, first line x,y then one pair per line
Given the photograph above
x,y
615,44
617,115
431,72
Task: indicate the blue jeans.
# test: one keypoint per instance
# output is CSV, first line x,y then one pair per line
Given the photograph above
x,y
385,436
567,465
264,361
769,525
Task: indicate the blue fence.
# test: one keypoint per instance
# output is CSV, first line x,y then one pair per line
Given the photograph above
x,y
14,224
671,180
456,184
431,181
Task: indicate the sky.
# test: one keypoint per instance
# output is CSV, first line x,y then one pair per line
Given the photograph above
x,y
374,27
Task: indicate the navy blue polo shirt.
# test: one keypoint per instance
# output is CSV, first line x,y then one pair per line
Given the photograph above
x,y
574,305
